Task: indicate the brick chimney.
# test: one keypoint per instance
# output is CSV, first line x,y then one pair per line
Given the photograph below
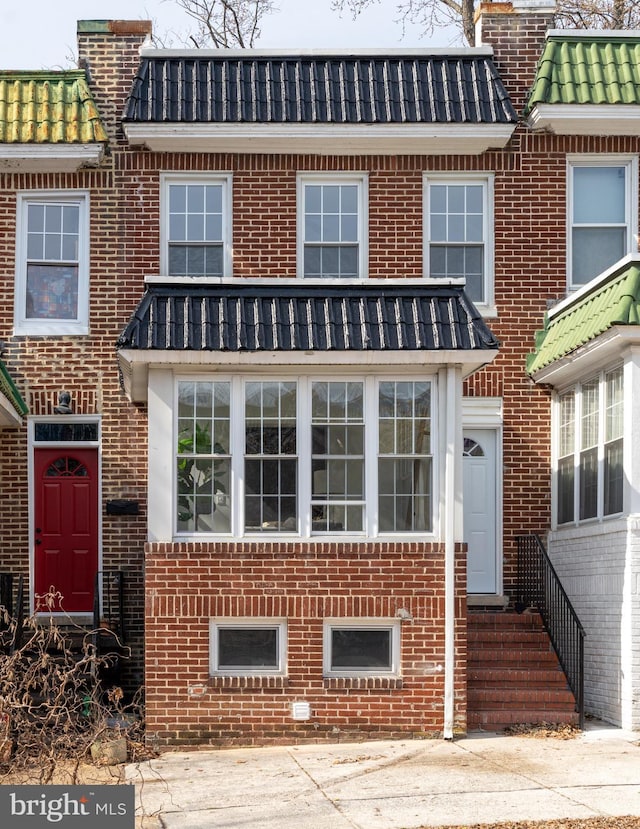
x,y
110,52
516,30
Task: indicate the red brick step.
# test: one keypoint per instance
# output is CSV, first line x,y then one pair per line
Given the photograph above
x,y
513,673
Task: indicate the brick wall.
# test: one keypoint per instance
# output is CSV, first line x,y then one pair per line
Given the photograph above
x,y
189,584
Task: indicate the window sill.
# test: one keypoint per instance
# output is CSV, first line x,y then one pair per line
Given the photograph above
x,y
241,682
362,683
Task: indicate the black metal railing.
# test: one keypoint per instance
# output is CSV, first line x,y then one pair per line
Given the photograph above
x,y
540,587
111,613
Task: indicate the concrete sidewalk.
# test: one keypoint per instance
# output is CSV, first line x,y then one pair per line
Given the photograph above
x,y
482,778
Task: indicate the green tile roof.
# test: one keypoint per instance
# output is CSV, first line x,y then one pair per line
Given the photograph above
x,y
615,302
594,69
48,108
8,388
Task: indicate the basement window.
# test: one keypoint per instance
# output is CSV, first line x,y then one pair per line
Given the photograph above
x,y
248,647
361,647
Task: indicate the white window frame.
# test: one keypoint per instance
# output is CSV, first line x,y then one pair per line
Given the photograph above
x,y
630,163
602,442
224,179
361,181
249,623
486,180
24,325
391,625
304,453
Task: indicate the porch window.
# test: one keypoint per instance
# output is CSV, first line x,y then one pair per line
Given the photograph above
x,y
271,464
52,264
589,471
203,460
362,647
404,461
248,647
303,456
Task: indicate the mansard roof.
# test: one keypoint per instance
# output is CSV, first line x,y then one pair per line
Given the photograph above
x,y
12,406
610,301
50,119
227,88
588,82
299,319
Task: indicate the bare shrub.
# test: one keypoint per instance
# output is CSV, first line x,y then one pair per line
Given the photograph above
x,y
54,699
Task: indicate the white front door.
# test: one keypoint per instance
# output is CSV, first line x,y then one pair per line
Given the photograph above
x,y
479,509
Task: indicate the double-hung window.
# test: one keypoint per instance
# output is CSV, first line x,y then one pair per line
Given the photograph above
x,y
52,263
332,222
602,214
303,456
589,462
196,225
459,232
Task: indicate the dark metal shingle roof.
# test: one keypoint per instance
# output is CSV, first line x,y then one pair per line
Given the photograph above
x,y
332,89
225,317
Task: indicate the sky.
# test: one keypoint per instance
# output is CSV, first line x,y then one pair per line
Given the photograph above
x,y
41,34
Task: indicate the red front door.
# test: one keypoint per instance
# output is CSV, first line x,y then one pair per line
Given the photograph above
x,y
65,528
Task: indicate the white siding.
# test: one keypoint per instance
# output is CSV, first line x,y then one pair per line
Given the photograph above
x,y
599,566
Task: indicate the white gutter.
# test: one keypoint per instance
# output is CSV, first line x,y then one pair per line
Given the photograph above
x,y
449,552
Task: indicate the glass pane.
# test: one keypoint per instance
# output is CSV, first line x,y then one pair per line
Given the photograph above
x,y
438,198
52,292
474,199
349,198
589,483
177,260
456,198
349,228
213,228
312,227
590,412
599,195
249,648
330,198
613,478
348,262
313,198
360,649
565,490
438,228
195,198
195,228
594,250
473,229
312,262
455,228
177,198
213,197
52,246
614,405
330,267
437,262
331,228
65,431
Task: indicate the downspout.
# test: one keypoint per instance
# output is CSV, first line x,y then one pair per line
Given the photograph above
x,y
449,552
